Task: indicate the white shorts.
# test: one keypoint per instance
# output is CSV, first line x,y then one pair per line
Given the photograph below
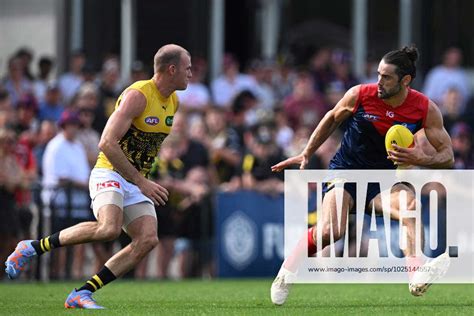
x,y
104,180
108,187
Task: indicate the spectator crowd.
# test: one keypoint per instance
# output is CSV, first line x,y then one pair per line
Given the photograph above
x,y
225,138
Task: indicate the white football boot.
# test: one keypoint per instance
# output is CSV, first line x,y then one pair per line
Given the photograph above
x,y
281,286
428,274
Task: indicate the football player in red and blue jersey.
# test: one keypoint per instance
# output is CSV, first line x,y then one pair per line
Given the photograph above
x,y
369,110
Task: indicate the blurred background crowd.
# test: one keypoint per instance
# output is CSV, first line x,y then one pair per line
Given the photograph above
x,y
227,134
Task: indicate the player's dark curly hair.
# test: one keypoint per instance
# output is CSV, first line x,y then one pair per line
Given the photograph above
x,y
404,59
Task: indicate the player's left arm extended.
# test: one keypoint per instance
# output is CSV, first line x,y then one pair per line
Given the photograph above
x,y
328,124
437,136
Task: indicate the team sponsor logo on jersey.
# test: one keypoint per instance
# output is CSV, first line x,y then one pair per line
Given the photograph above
x,y
108,184
152,120
239,240
169,120
370,117
390,114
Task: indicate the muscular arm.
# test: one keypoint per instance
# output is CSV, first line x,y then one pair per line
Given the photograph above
x,y
133,104
328,124
439,138
341,112
441,157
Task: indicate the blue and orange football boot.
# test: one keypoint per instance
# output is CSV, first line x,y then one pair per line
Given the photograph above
x,y
19,259
81,299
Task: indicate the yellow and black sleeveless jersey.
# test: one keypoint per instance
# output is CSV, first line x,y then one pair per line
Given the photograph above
x,y
143,140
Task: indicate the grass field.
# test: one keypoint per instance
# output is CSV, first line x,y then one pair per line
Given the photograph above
x,y
238,297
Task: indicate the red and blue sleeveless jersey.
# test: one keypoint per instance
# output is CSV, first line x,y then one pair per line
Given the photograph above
x,y
363,143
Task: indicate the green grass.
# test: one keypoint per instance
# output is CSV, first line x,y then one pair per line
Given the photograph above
x,y
238,297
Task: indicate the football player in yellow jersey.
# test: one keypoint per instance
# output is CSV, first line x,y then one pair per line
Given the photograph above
x,y
122,196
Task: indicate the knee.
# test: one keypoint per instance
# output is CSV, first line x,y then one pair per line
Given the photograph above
x,y
109,232
326,234
146,244
327,231
152,242
411,203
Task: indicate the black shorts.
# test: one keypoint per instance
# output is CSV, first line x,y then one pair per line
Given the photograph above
x,y
351,188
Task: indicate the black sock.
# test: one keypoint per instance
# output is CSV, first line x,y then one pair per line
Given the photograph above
x,y
99,280
46,244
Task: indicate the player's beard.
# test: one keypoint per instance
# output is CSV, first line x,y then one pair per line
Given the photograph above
x,y
387,94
